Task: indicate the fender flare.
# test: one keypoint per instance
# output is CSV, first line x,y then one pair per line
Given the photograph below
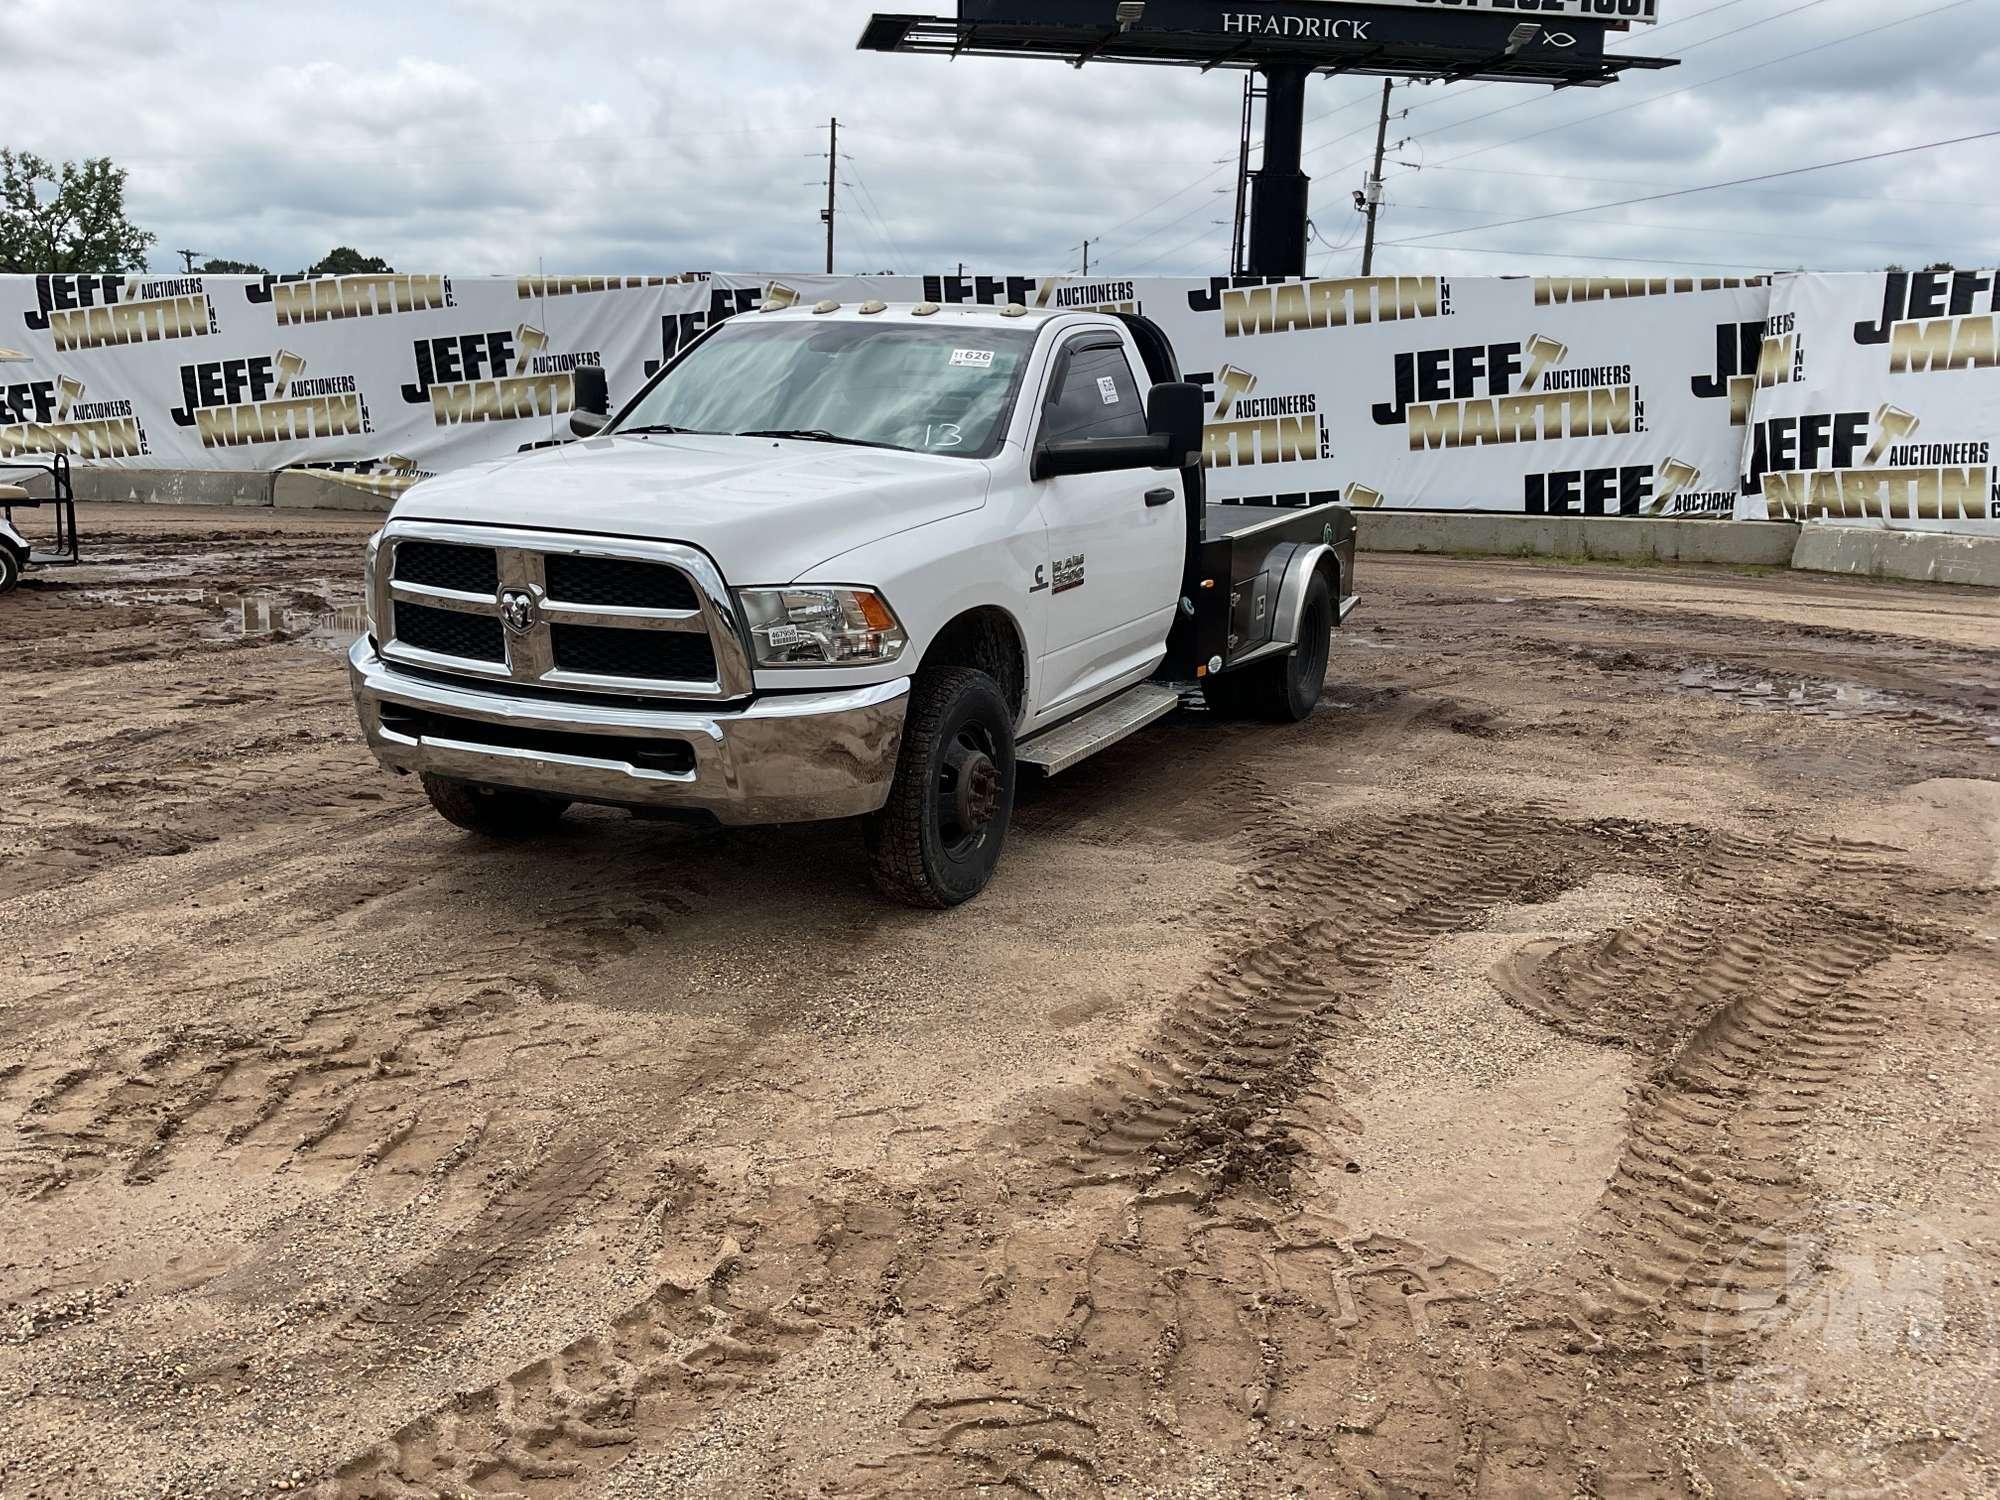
x,y
13,541
1292,594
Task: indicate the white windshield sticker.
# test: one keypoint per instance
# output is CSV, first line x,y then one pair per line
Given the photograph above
x,y
1108,389
972,359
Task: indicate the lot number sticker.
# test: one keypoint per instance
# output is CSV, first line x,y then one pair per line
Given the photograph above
x,y
972,359
1108,389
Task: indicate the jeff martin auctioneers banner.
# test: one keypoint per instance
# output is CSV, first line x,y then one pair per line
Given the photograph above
x,y
1868,398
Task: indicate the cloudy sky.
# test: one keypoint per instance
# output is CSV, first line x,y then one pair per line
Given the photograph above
x,y
496,136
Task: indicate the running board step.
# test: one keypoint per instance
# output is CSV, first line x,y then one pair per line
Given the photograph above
x,y
1054,751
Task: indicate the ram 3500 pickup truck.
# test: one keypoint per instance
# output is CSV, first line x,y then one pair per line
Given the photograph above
x,y
841,562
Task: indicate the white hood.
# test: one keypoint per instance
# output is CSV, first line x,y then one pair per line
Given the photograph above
x,y
765,510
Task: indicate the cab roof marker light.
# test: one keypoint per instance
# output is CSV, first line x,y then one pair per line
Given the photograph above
x,y
926,310
869,309
1013,310
826,307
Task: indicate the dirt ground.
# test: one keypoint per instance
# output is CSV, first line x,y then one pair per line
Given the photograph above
x,y
1565,1067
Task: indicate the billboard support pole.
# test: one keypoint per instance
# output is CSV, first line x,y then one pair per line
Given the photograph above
x,y
1280,194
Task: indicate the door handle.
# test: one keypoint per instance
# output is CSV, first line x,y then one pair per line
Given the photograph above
x,y
1157,498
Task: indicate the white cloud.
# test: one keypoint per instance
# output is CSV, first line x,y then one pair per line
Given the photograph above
x,y
496,135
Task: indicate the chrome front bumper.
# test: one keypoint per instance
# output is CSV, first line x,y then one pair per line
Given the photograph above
x,y
796,759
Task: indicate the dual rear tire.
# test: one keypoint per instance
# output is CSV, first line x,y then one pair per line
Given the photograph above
x,y
1286,689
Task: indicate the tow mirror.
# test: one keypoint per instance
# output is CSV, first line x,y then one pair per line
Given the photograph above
x,y
1105,455
592,413
1177,411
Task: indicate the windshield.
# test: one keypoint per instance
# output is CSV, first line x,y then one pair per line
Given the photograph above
x,y
930,389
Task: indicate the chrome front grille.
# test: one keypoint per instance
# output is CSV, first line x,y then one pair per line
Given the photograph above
x,y
648,619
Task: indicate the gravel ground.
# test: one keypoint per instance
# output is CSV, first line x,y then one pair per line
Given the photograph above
x,y
1565,1067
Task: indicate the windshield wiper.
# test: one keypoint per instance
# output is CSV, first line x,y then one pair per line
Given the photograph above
x,y
657,427
814,435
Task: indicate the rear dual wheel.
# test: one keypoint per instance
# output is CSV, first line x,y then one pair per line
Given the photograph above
x,y
1286,689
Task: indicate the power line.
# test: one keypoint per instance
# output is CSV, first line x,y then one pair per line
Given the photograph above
x,y
1717,229
1692,46
1630,260
1723,79
1157,229
1984,206
871,211
1208,233
1591,208
1453,95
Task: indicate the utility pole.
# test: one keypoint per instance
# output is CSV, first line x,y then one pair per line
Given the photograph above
x,y
1374,189
832,181
1086,257
188,256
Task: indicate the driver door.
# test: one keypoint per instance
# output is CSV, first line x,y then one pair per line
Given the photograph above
x,y
1115,556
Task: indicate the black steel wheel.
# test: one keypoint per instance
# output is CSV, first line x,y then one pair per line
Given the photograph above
x,y
1285,689
495,812
938,841
1305,675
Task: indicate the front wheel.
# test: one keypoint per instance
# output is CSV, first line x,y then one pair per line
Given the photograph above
x,y
496,812
938,841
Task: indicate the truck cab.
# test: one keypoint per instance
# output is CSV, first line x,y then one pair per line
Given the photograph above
x,y
840,562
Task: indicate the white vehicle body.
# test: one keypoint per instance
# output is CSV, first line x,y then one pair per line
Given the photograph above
x,y
1068,587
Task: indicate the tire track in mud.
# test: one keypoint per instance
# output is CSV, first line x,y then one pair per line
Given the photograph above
x,y
554,1424
331,1098
1154,1301
1750,1011
496,1247
1334,914
1136,1266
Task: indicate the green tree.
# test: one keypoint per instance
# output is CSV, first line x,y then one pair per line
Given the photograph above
x,y
231,268
68,218
347,261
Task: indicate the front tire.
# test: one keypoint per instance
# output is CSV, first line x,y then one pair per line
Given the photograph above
x,y
938,841
494,812
1285,689
10,570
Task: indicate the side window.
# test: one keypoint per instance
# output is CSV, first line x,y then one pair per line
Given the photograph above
x,y
1096,395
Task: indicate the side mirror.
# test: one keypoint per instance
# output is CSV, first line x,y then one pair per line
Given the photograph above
x,y
1178,411
1106,455
593,401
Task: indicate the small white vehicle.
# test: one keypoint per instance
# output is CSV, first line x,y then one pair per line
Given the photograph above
x,y
863,562
18,552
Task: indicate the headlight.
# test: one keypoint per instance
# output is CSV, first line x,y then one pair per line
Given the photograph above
x,y
821,627
374,557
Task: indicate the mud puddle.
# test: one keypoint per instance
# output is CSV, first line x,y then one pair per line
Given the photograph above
x,y
1841,702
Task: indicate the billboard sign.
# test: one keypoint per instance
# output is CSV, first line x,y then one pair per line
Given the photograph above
x,y
1280,27
1319,19
1643,11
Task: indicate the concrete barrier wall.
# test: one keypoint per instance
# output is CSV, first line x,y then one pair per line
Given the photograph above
x,y
1924,557
1739,543
300,489
173,486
